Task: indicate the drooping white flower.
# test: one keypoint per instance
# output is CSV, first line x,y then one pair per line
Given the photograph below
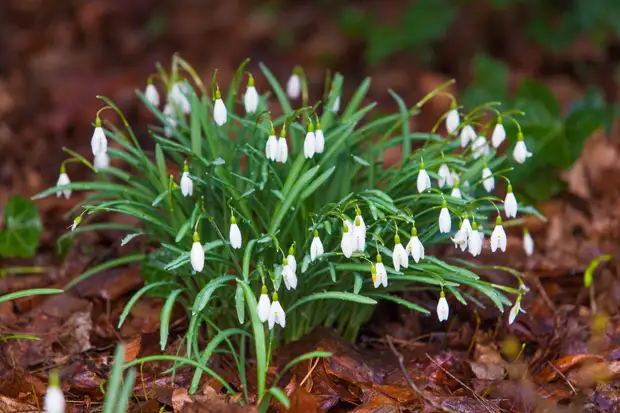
x,y
63,179
292,262
316,248
101,161
445,176
443,310
169,114
234,233
445,222
468,134
528,243
481,233
76,222
475,241
264,305
197,254
187,186
415,247
99,142
348,240
488,181
319,139
460,238
151,94
466,225
359,233
456,192
177,97
276,313
453,120
289,276
310,142
520,153
510,204
250,99
293,86
480,147
499,134
515,310
271,148
400,257
498,237
282,155
54,400
380,278
424,181
219,109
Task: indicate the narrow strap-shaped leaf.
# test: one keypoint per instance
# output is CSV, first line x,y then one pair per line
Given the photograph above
x,y
401,301
166,313
114,386
104,266
136,296
205,294
332,295
28,293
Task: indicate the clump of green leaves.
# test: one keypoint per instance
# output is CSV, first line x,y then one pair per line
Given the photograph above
x,y
282,208
22,228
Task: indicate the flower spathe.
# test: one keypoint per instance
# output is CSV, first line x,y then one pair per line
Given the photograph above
x,y
510,204
380,277
528,243
400,257
443,310
498,237
520,152
316,248
250,99
276,313
445,222
54,400
499,134
319,139
414,246
515,310
310,142
99,142
264,305
445,176
293,86
151,94
336,105
453,120
289,276
197,254
219,109
63,179
480,147
346,244
234,233
424,181
468,134
488,180
76,222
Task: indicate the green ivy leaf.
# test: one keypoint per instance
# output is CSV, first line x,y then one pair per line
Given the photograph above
x,y
534,91
23,228
490,82
580,124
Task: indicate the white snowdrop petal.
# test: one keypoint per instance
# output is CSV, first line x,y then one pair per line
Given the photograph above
x,y
99,142
187,186
520,152
264,306
445,222
151,94
528,244
197,256
309,145
316,248
443,310
510,205
456,192
488,181
480,147
453,121
293,87
235,236
63,179
282,150
468,134
424,181
101,161
219,112
319,141
498,136
54,400
250,99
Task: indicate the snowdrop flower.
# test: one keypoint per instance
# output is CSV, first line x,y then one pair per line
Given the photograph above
x,y
400,257
466,225
424,181
359,232
319,139
151,94
481,233
101,161
197,254
460,238
76,222
380,278
293,86
310,142
453,120
54,401
234,233
414,246
520,153
250,99
98,143
292,262
443,310
445,176
528,243
177,97
316,248
264,305
271,149
475,241
276,313
456,192
515,311
488,181
347,239
290,278
282,150
480,147
187,186
219,109
169,114
498,237
445,222
63,179
468,134
510,204
499,134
